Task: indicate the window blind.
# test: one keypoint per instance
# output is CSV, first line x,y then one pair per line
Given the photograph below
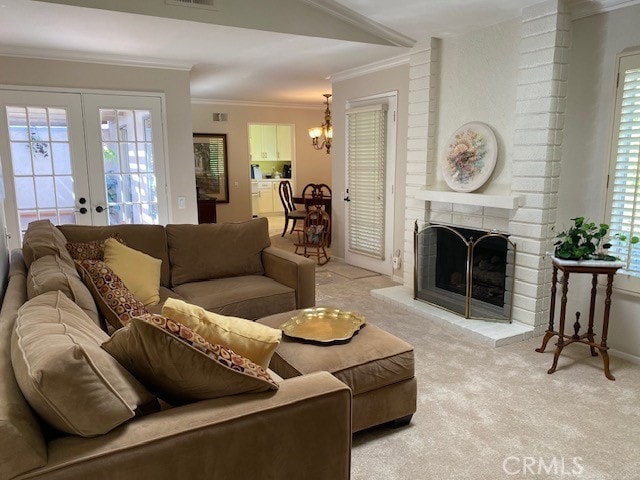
x,y
366,134
624,181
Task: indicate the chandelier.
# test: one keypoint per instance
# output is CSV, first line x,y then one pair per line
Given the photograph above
x,y
321,136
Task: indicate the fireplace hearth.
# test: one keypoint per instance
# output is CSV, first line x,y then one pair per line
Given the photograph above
x,y
468,272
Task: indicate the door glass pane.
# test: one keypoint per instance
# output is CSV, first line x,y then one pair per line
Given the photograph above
x,y
108,125
38,124
21,158
25,193
61,158
45,192
110,157
17,117
132,195
41,160
64,191
58,123
41,155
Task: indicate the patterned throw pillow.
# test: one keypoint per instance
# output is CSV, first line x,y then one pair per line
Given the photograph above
x,y
93,250
180,365
115,301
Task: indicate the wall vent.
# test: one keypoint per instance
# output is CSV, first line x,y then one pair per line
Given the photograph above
x,y
220,117
210,4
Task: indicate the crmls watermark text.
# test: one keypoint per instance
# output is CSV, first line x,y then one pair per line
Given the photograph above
x,y
569,466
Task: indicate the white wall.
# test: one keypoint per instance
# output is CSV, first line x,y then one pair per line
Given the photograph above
x,y
590,103
173,83
478,80
311,166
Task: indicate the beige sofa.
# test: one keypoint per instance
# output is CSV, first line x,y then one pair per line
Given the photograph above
x,y
303,428
229,269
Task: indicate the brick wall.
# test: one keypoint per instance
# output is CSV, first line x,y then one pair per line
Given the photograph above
x,y
537,149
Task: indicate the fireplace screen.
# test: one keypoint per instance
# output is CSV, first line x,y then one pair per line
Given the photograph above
x,y
468,272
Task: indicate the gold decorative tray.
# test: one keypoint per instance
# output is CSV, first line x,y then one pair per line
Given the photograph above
x,y
324,325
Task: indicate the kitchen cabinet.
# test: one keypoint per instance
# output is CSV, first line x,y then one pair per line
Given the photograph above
x,y
270,142
265,197
269,197
284,142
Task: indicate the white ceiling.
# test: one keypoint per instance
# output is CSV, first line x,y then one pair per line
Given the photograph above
x,y
230,63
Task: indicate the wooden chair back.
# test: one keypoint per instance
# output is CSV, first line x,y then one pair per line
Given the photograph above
x,y
286,196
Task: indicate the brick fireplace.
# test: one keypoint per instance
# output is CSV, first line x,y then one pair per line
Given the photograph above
x,y
527,210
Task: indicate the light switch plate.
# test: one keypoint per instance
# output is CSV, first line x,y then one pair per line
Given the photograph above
x,y
182,203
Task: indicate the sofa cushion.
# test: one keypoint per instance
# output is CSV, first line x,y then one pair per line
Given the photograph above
x,y
164,293
51,273
66,377
115,301
43,238
250,296
249,339
207,251
180,365
139,272
93,250
150,239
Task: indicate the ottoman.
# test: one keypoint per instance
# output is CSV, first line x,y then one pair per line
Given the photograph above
x,y
377,366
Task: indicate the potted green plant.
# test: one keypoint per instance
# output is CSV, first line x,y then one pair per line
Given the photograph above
x,y
585,240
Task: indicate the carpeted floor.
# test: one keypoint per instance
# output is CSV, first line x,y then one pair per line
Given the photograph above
x,y
492,413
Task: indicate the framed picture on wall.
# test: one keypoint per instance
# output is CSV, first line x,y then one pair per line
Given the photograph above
x,y
210,156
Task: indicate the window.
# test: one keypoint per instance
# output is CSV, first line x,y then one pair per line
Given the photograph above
x,y
624,176
366,153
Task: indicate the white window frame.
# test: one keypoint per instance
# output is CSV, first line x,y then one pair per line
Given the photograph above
x,y
625,281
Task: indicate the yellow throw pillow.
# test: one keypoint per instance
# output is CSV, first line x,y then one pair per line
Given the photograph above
x,y
139,272
246,338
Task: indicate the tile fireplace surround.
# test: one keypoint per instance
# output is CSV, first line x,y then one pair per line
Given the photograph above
x,y
526,208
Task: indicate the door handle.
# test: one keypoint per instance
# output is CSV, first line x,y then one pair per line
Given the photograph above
x,y
99,209
82,210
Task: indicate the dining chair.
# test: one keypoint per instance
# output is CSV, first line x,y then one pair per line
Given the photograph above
x,y
314,237
290,212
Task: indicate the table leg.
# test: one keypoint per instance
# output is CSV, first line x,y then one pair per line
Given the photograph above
x,y
552,309
563,313
592,308
605,328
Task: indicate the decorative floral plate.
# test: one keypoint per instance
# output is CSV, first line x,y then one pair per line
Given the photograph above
x,y
324,325
470,158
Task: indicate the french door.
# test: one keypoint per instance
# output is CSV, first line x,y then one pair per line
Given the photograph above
x,y
81,158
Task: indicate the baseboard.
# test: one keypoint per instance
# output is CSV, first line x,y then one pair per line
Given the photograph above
x,y
625,356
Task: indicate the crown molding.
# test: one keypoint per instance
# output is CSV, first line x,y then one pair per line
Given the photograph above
x,y
360,21
586,8
246,103
371,68
117,60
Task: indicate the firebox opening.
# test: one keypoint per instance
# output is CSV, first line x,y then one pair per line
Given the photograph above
x,y
464,270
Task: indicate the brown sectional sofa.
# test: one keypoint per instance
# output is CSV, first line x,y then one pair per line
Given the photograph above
x,y
304,426
229,269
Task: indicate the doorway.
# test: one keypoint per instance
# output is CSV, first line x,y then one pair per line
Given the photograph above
x,y
370,179
93,159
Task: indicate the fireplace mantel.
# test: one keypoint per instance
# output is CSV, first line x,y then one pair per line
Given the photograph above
x,y
510,202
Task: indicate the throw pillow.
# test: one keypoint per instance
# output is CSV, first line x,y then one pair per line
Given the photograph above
x,y
180,365
43,238
115,301
252,340
50,273
139,272
93,250
66,377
